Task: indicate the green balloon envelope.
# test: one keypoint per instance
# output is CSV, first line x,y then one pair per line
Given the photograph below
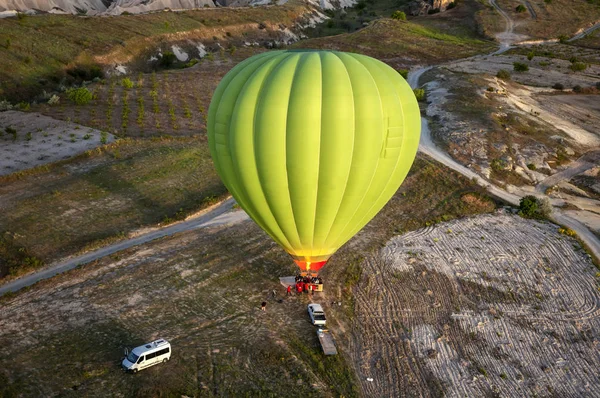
x,y
313,144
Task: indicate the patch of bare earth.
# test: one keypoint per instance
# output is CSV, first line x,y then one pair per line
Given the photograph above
x,y
489,305
29,139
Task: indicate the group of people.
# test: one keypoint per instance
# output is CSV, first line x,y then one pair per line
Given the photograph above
x,y
305,284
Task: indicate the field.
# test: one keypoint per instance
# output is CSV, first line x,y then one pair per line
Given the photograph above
x,y
402,43
44,52
102,196
493,305
550,19
202,290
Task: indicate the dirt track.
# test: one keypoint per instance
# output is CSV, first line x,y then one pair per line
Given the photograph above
x,y
494,304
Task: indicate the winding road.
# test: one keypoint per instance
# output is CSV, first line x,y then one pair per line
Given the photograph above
x,y
427,146
215,215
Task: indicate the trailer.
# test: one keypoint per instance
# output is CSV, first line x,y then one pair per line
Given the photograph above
x,y
327,342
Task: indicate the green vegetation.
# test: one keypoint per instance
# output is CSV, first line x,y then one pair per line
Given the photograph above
x,y
578,66
79,96
399,15
520,67
67,49
419,94
503,74
532,207
143,180
126,83
521,8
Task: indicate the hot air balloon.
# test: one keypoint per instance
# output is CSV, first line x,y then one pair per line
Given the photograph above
x,y
312,144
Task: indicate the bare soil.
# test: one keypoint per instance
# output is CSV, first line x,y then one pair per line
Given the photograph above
x,y
38,140
489,305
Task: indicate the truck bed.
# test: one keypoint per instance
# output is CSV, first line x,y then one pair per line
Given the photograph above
x,y
327,342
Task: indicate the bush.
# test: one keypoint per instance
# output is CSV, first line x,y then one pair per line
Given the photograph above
x,y
403,73
79,96
578,66
503,74
530,55
563,38
497,164
573,59
167,59
399,15
578,88
127,83
451,5
532,207
520,8
433,11
419,94
559,86
532,167
598,85
520,67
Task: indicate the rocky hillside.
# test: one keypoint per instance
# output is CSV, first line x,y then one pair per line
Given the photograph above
x,y
422,7
116,7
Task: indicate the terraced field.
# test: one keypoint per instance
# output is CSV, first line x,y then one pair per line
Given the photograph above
x,y
489,305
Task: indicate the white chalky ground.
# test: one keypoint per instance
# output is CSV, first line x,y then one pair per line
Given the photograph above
x,y
41,139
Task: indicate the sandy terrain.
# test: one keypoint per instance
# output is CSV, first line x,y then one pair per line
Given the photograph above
x,y
493,304
41,139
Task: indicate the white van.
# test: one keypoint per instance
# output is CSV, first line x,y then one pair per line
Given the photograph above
x,y
147,355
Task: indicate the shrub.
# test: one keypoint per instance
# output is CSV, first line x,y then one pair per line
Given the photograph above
x,y
520,67
127,83
103,137
532,207
490,89
79,96
5,106
520,8
530,55
433,11
559,86
167,59
399,15
403,73
578,66
503,74
578,88
563,39
598,85
451,5
419,94
573,59
532,166
497,164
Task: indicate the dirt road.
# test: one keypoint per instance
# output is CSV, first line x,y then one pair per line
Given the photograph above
x,y
507,40
215,216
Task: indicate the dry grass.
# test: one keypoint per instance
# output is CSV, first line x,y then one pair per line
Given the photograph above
x,y
37,52
401,43
553,19
202,290
173,102
97,199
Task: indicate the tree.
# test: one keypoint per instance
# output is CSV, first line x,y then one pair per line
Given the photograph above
x,y
521,8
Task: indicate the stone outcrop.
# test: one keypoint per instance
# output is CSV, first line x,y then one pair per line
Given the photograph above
x,y
422,7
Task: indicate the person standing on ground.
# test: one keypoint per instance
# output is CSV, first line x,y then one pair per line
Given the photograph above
x,y
274,293
289,290
263,306
310,288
